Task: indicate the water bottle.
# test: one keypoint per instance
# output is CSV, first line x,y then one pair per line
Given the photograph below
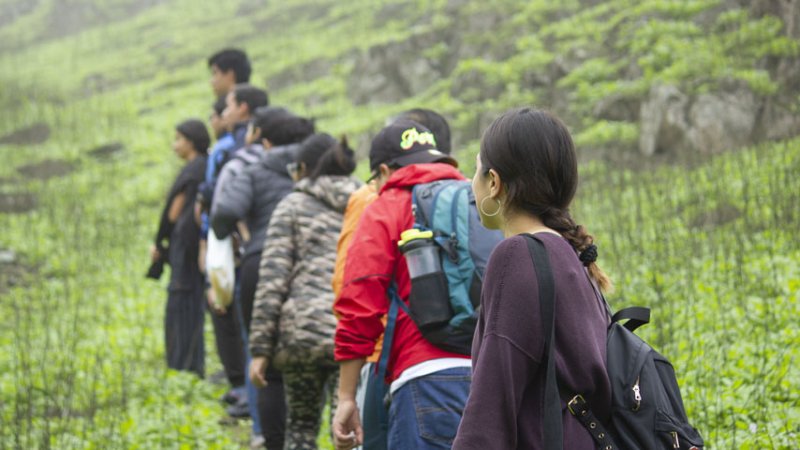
x,y
429,301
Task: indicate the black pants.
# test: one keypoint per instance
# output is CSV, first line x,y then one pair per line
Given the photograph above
x,y
248,281
183,329
230,347
272,410
271,399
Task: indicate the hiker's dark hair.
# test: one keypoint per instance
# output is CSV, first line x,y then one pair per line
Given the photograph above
x,y
219,105
323,155
264,116
194,130
232,59
281,127
534,155
251,95
432,121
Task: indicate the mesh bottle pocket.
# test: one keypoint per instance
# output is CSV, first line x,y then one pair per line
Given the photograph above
x,y
429,301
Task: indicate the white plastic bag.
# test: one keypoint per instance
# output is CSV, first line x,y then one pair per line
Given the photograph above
x,y
219,268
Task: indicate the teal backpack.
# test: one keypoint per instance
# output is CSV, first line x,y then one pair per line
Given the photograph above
x,y
447,207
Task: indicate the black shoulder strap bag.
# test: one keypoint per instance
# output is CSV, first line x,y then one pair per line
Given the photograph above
x,y
552,426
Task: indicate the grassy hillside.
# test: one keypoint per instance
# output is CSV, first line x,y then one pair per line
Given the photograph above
x,y
90,92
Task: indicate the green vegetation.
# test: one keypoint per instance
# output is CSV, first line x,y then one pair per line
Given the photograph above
x,y
712,251
710,248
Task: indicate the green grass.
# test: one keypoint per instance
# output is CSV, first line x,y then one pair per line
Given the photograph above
x,y
710,246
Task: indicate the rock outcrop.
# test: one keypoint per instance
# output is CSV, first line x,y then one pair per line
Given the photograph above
x,y
672,122
672,119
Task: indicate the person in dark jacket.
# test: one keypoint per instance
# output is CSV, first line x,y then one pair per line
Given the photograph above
x,y
253,152
525,179
293,322
177,243
251,196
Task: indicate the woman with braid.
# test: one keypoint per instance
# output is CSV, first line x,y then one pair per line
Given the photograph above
x,y
526,176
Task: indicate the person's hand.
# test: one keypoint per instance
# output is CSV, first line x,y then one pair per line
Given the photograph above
x,y
347,431
216,308
201,259
155,255
258,367
198,212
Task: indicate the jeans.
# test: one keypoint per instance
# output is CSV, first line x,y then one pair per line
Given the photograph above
x,y
426,411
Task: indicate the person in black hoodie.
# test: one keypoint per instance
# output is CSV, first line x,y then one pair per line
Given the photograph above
x,y
176,244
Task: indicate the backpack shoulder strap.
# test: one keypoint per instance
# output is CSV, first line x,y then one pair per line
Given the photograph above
x,y
416,211
636,316
395,305
578,407
551,425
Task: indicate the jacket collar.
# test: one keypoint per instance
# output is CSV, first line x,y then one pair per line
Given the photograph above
x,y
414,174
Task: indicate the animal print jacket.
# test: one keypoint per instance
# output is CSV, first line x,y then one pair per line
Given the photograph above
x,y
293,316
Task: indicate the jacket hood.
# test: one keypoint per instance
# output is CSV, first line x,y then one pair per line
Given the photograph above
x,y
414,174
277,158
250,154
332,190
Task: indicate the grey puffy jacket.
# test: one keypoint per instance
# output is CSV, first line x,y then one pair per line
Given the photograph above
x,y
252,194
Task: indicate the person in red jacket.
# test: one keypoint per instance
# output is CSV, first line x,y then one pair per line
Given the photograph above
x,y
428,385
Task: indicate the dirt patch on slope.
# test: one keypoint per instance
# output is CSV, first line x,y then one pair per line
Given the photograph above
x,y
37,133
106,151
721,215
17,202
46,169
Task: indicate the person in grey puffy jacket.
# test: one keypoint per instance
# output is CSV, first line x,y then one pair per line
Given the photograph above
x,y
251,196
254,184
293,321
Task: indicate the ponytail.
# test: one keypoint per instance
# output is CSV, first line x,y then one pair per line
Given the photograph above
x,y
338,159
583,243
323,155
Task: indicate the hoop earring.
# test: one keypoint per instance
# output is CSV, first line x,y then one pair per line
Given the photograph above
x,y
483,211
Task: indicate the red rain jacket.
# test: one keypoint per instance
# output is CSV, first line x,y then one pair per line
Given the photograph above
x,y
373,262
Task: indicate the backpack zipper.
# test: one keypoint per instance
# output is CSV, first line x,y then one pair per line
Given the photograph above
x,y
637,395
675,442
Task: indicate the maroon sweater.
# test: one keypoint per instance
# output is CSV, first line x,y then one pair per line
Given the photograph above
x,y
504,409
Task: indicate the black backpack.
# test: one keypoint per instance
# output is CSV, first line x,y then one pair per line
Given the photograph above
x,y
646,407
